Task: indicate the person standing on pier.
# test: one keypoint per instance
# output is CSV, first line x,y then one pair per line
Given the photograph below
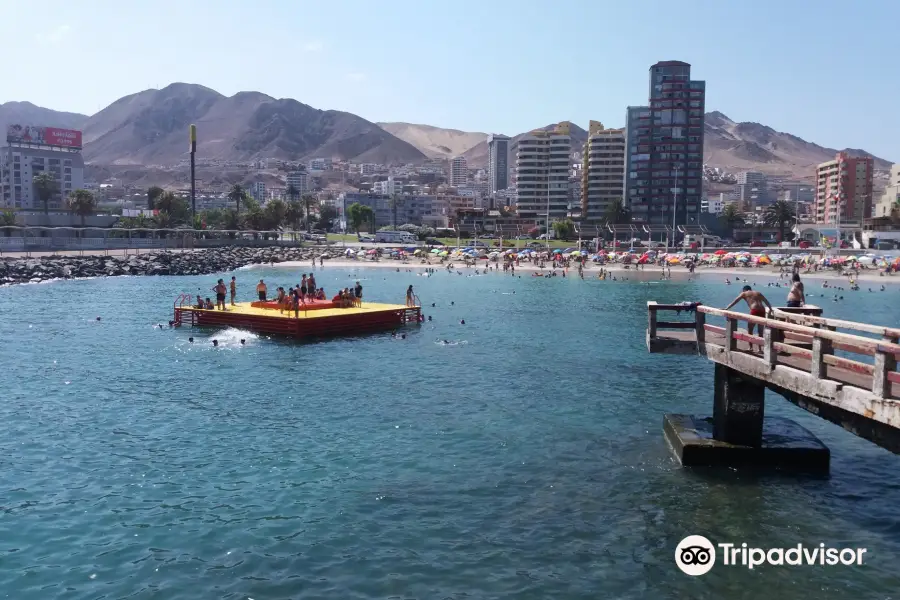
x,y
796,297
757,303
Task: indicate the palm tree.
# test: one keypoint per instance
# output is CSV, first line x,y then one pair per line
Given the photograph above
x,y
307,198
275,213
236,195
82,203
7,219
166,202
45,186
291,192
779,214
293,214
731,217
617,213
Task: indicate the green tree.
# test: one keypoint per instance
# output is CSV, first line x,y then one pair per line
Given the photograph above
x,y
176,208
82,203
368,216
231,221
7,219
237,194
327,215
731,217
617,213
779,214
255,219
355,214
307,198
153,193
564,229
45,186
251,204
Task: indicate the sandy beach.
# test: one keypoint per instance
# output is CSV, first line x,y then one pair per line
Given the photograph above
x,y
619,271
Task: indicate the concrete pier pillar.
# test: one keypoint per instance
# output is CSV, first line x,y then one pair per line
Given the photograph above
x,y
738,408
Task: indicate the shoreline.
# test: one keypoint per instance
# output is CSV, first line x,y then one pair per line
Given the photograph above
x,y
209,261
651,273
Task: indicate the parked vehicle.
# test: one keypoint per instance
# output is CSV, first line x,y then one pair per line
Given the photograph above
x,y
803,245
433,242
757,244
366,239
393,237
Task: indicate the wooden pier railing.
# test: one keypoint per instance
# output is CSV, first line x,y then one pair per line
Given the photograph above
x,y
799,341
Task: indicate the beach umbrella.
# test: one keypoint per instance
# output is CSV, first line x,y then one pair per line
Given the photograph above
x,y
436,251
444,253
720,252
372,251
349,251
361,253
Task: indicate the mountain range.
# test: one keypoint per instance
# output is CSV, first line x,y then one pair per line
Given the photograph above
x,y
150,128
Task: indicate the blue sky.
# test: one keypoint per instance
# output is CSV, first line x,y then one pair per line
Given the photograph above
x,y
826,71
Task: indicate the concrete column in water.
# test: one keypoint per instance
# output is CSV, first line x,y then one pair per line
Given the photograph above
x,y
738,408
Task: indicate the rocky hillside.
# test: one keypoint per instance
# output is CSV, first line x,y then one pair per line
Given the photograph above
x,y
26,113
751,146
151,127
477,156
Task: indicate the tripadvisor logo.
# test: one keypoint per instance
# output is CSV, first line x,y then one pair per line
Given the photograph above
x,y
696,555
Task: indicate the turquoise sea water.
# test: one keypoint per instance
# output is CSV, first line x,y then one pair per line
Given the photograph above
x,y
524,460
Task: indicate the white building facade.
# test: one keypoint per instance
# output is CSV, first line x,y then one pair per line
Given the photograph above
x,y
459,171
542,172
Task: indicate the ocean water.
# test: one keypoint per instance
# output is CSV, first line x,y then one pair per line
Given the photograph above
x,y
524,459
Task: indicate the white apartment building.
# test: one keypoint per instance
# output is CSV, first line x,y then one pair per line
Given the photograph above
x,y
20,164
603,170
713,205
367,169
299,180
542,172
389,187
459,171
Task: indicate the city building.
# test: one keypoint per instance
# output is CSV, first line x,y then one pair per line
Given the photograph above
x,y
388,187
664,148
459,171
320,164
498,162
713,204
844,189
890,200
542,173
299,180
367,169
258,191
30,151
603,170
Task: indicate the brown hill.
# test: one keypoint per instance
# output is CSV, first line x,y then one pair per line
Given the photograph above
x,y
477,156
151,128
26,113
435,142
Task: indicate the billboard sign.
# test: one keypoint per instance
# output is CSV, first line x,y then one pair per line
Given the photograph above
x,y
43,136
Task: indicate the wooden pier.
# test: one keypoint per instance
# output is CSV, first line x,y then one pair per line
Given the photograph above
x,y
842,371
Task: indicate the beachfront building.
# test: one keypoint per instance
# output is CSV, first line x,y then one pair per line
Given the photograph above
x,y
30,151
498,162
388,187
602,172
459,171
299,180
542,173
428,210
664,148
890,200
844,189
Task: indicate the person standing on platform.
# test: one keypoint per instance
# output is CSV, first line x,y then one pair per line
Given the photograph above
x,y
219,289
261,290
358,290
233,289
311,286
796,297
410,296
757,303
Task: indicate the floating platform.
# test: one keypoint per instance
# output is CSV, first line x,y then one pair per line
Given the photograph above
x,y
786,446
320,318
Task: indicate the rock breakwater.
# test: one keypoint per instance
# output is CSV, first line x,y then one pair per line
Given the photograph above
x,y
196,262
